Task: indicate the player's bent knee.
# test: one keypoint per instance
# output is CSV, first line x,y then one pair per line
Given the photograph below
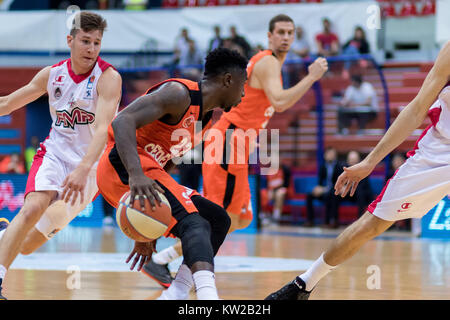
x,y
195,234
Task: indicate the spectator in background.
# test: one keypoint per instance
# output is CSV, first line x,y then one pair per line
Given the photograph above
x,y
240,41
12,164
217,41
357,45
363,195
328,174
188,59
299,51
327,42
31,151
181,45
229,44
359,102
397,160
300,46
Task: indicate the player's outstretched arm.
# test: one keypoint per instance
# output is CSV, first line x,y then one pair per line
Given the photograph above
x,y
407,121
170,100
268,74
28,93
109,91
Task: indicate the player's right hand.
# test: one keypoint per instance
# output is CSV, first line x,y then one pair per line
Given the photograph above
x,y
318,68
142,186
350,178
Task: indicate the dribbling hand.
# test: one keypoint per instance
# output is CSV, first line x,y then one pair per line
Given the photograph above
x,y
141,186
143,252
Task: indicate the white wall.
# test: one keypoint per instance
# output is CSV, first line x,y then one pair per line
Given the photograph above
x,y
127,31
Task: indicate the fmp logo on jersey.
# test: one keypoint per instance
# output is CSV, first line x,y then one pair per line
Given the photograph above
x,y
75,116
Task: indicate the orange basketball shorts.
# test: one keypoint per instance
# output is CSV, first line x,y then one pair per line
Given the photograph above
x,y
225,169
112,181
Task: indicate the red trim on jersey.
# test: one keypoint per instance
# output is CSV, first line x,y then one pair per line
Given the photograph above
x,y
434,117
37,162
373,205
59,63
103,64
77,78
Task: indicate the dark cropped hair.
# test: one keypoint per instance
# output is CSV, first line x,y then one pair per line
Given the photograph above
x,y
87,21
279,18
222,60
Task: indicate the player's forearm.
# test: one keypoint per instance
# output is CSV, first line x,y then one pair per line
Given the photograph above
x,y
287,98
404,125
125,137
4,107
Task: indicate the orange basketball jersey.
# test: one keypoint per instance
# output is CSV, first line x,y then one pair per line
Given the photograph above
x,y
161,141
255,110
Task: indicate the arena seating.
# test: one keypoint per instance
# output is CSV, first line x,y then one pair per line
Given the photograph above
x,y
301,185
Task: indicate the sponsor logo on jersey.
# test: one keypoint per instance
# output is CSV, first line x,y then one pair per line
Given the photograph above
x,y
188,122
157,152
58,93
405,207
75,116
89,87
59,80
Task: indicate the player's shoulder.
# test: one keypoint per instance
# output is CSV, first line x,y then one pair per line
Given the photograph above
x,y
110,77
175,91
267,61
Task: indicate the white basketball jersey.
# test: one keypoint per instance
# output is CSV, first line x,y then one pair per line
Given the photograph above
x,y
435,142
73,101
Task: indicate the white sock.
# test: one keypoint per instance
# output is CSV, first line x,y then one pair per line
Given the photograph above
x,y
2,272
165,256
317,271
205,285
276,214
180,286
2,233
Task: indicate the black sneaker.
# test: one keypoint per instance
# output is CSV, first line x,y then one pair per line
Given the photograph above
x,y
158,272
294,290
1,297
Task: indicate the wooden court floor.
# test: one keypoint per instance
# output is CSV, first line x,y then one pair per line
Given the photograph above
x,y
395,266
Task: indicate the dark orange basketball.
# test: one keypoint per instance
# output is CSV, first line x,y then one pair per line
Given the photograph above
x,y
143,224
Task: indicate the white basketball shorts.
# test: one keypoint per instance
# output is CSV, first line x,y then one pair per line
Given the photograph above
x,y
47,173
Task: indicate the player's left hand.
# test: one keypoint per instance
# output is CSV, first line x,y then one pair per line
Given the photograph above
x,y
350,178
143,251
74,185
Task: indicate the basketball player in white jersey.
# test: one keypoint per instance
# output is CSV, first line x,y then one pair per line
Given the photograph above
x,y
417,186
84,93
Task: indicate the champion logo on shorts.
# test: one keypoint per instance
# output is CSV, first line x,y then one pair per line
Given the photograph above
x,y
405,207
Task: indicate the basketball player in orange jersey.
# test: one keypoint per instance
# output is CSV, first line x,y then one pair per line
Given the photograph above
x,y
141,143
226,183
84,93
416,187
